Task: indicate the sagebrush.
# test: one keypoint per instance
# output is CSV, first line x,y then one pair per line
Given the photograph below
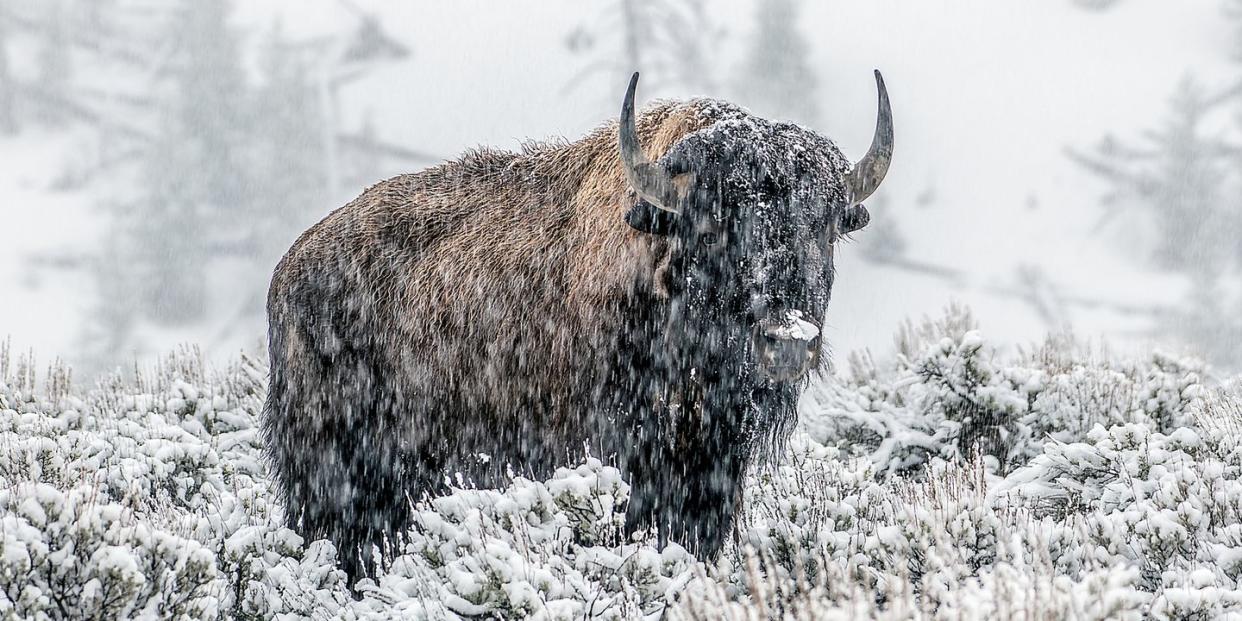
x,y
948,479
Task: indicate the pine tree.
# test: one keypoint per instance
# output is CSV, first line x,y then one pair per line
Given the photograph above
x,y
776,79
54,65
8,118
193,174
1176,177
1185,179
1182,180
210,163
670,41
289,191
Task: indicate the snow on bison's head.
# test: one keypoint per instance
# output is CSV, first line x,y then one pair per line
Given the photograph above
x,y
752,209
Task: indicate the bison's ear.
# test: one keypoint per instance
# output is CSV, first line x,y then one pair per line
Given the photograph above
x,y
853,219
648,218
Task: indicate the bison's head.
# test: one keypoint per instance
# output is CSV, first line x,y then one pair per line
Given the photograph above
x,y
752,210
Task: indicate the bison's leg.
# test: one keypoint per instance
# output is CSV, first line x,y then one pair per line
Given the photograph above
x,y
689,489
700,504
645,459
693,509
358,497
645,498
343,482
338,454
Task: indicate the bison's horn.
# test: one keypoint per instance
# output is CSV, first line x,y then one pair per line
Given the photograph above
x,y
648,179
870,170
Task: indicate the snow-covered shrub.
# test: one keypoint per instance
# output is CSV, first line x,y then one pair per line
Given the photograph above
x,y
948,393
1009,589
149,498
535,550
69,555
950,479
1096,466
1169,505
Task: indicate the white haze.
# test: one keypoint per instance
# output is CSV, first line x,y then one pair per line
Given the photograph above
x,y
987,96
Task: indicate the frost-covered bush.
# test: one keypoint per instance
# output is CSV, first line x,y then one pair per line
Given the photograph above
x,y
63,554
533,550
148,498
948,393
950,478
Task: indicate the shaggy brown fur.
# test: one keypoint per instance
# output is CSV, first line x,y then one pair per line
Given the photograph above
x,y
490,246
481,315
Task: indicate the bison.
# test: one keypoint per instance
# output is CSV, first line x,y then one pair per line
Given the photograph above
x,y
651,294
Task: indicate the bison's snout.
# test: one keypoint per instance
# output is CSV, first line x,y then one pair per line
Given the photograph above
x,y
786,346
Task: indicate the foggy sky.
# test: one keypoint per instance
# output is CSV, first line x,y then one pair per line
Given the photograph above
x,y
986,96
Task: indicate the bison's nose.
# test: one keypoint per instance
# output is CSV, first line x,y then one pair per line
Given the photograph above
x,y
786,346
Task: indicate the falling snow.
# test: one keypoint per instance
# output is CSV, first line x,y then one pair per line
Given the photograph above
x,y
962,473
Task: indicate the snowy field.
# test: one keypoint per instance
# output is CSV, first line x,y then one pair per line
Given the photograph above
x,y
947,478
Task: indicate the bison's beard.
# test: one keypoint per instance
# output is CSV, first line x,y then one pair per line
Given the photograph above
x,y
696,415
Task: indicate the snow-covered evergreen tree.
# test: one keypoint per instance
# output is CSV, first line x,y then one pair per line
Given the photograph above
x,y
672,42
190,194
776,78
8,88
1179,192
54,64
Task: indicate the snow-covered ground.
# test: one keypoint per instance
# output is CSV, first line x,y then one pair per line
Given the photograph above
x,y
952,480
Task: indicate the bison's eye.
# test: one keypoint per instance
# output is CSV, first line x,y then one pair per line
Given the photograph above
x,y
709,239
